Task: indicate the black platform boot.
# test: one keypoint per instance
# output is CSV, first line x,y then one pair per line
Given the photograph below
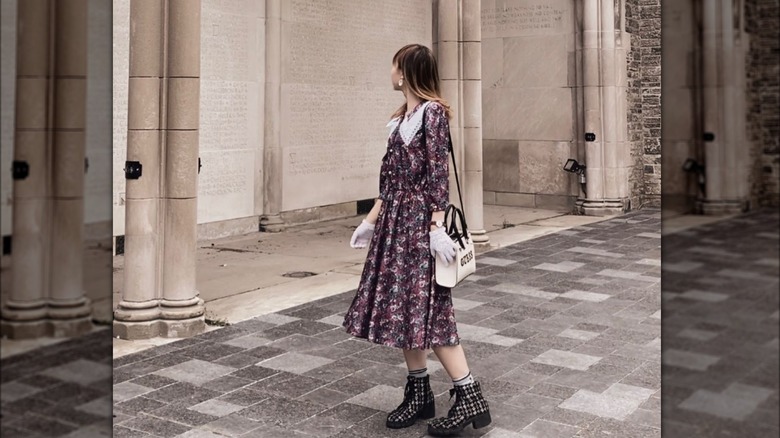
x,y
469,408
418,404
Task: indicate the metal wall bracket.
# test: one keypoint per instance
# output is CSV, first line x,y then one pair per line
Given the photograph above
x,y
589,136
709,136
133,169
20,169
199,165
86,164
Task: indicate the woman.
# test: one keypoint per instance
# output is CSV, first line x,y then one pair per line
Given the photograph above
x,y
398,303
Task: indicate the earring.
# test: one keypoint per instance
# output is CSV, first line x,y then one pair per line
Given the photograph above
x,y
401,82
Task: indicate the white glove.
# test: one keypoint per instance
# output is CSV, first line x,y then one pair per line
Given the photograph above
x,y
362,235
442,246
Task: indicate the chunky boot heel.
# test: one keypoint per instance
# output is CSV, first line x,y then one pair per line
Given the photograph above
x,y
418,404
428,412
482,420
469,408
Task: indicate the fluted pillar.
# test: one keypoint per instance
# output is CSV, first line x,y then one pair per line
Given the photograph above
x,y
137,314
181,308
726,156
69,308
24,313
471,56
604,110
272,147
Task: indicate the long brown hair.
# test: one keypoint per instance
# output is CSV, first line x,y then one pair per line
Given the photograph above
x,y
421,75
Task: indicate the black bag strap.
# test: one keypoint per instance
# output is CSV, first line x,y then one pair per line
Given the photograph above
x,y
454,168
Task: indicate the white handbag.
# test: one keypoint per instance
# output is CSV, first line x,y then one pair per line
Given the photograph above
x,y
465,262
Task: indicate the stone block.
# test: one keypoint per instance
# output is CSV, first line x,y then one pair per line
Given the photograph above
x,y
538,61
526,200
501,165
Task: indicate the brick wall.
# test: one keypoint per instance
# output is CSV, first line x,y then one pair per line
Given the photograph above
x,y
643,23
762,22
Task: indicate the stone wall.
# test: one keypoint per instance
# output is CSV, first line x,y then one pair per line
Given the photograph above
x,y
762,23
643,22
529,102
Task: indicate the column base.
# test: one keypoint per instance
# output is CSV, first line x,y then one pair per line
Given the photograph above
x,y
24,330
720,207
68,328
480,238
135,330
161,328
74,309
272,223
590,207
182,328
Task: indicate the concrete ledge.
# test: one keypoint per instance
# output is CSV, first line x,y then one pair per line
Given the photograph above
x,y
232,227
319,214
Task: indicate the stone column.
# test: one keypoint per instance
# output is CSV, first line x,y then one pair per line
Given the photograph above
x,y
24,313
181,308
69,309
471,56
726,173
604,107
137,313
272,149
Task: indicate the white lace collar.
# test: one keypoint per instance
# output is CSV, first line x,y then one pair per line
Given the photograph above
x,y
410,126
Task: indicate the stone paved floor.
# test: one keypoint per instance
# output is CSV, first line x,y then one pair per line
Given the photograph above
x,y
720,319
563,331
61,390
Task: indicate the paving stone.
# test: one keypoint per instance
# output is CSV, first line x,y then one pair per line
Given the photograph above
x,y
280,411
195,371
80,371
688,360
380,398
127,390
710,297
101,407
566,359
216,408
156,426
123,432
243,397
295,363
336,320
13,391
544,429
495,261
737,402
618,401
182,393
183,415
565,266
137,405
248,342
578,334
325,397
349,412
232,425
463,304
288,384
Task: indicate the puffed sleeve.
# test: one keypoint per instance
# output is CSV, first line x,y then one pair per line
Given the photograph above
x,y
437,130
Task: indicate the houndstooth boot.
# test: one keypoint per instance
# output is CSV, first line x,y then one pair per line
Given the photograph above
x,y
418,404
469,408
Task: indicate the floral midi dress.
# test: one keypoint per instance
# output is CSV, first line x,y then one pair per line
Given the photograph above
x,y
397,302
